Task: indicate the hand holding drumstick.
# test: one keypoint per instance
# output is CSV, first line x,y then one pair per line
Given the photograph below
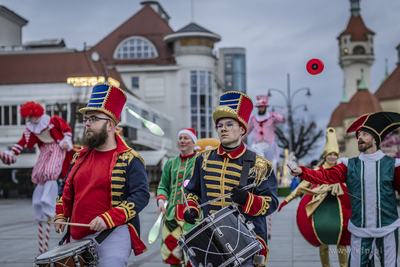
x,y
97,224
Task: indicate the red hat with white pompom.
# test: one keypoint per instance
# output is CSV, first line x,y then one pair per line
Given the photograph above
x,y
189,131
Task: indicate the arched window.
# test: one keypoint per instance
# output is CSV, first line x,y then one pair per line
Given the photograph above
x,y
135,47
358,50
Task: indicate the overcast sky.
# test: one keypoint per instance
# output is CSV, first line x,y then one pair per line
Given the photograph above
x,y
280,36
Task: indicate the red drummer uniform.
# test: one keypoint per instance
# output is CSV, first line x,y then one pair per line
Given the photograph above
x,y
111,184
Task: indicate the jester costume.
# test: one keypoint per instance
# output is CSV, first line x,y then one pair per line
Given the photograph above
x,y
216,172
175,172
322,218
371,180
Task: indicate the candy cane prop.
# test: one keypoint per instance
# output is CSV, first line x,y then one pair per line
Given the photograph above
x,y
46,241
7,158
41,250
269,225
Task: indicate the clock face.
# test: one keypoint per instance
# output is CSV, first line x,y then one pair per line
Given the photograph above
x,y
345,51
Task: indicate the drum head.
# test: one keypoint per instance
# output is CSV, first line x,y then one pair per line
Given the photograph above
x,y
64,249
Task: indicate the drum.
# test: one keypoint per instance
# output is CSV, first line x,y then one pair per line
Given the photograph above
x,y
79,253
224,238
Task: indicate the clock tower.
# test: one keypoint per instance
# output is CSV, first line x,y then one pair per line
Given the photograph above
x,y
356,50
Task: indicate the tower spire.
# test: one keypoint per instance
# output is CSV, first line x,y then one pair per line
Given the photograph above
x,y
398,54
386,71
355,7
344,95
362,85
192,7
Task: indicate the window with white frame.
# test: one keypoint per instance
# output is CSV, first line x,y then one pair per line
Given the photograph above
x,y
59,109
135,47
9,115
135,82
201,103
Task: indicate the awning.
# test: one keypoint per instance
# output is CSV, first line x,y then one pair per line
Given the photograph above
x,y
152,157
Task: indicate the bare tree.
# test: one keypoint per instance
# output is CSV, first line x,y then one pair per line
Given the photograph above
x,y
303,138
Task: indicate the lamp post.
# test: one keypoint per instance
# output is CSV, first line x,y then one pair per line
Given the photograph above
x,y
289,99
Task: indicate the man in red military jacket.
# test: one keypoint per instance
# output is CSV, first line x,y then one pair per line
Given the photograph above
x,y
107,185
53,136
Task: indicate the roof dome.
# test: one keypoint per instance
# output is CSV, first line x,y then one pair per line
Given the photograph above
x,y
192,30
337,115
361,103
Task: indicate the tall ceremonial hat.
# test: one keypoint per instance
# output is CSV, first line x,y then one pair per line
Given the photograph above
x,y
379,124
108,99
235,105
262,100
331,144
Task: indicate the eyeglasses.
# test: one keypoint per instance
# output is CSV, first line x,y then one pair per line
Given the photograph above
x,y
93,119
228,126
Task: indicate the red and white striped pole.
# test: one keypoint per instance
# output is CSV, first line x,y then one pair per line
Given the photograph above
x,y
40,238
269,225
46,242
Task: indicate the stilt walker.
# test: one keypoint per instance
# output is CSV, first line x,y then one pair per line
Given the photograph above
x,y
263,123
54,138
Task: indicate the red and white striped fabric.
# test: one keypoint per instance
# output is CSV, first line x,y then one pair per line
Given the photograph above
x,y
269,218
44,237
49,164
7,159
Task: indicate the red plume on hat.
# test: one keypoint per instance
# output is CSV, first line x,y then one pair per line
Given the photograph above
x,y
31,109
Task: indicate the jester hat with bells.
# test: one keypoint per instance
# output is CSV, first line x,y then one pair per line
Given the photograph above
x,y
234,105
379,124
331,144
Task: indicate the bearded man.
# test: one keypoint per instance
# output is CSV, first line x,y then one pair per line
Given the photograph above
x,y
107,184
371,180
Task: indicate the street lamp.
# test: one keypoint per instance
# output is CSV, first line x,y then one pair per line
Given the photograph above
x,y
289,99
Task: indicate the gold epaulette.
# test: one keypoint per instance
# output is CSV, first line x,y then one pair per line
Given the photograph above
x,y
76,155
261,170
129,155
205,155
261,162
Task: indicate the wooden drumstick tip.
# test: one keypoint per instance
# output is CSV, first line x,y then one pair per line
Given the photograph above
x,y
59,230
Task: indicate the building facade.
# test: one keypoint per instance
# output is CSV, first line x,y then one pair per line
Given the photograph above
x,y
170,78
232,68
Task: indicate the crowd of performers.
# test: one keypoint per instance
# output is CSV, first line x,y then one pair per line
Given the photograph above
x,y
105,184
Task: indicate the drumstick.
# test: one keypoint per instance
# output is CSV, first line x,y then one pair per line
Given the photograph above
x,y
72,224
224,196
184,197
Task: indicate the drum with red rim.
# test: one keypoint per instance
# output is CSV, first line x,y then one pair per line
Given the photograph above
x,y
79,253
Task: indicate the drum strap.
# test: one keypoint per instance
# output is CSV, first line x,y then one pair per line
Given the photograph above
x,y
67,234
249,158
103,235
100,238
